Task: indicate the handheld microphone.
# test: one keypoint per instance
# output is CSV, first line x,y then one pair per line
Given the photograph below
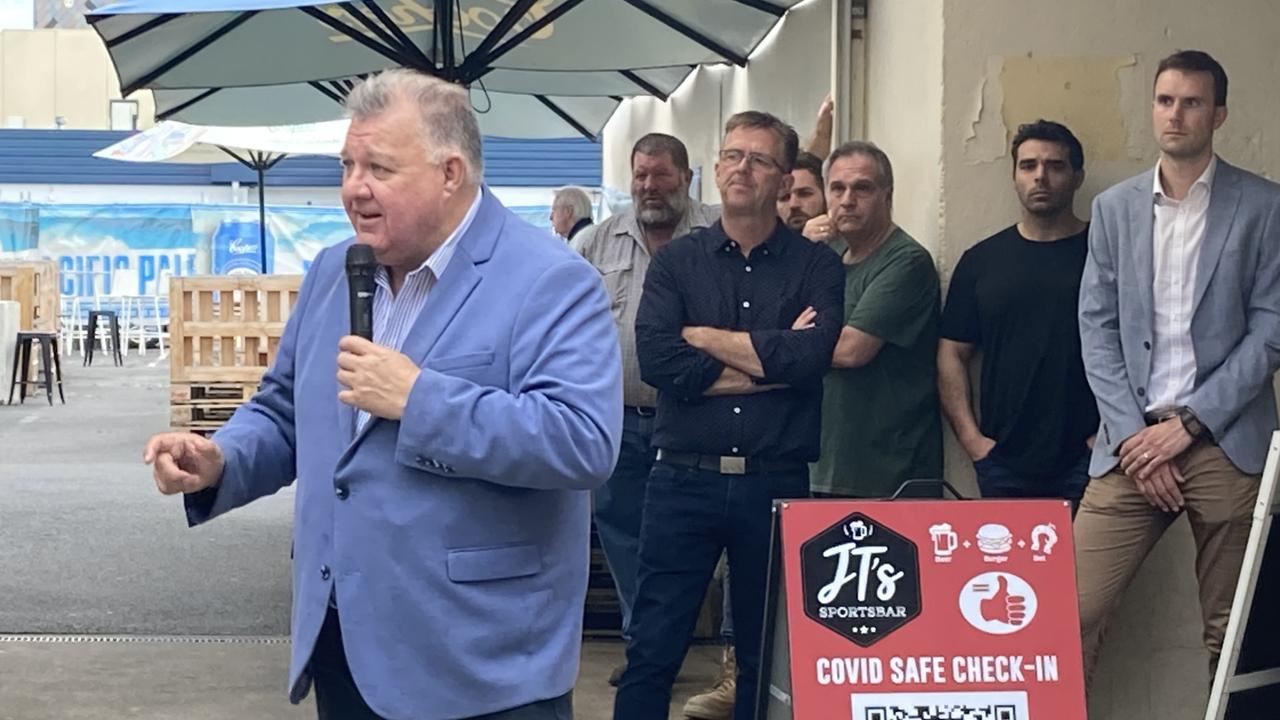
x,y
361,267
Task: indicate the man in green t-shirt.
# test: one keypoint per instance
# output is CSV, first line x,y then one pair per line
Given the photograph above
x,y
880,418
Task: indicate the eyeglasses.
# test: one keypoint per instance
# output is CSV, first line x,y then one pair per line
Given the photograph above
x,y
758,161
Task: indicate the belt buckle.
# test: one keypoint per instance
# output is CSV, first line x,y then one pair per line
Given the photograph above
x,y
731,465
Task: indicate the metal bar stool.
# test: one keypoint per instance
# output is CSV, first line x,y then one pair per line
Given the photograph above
x,y
50,365
113,319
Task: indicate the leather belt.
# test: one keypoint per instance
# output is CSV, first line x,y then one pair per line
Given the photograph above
x,y
640,410
729,464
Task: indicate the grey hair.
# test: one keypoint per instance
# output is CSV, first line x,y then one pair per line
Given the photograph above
x,y
884,169
447,121
578,202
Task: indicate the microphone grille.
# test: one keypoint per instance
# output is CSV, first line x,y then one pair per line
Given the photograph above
x,y
360,255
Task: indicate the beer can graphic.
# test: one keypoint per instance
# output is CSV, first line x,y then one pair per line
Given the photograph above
x,y
236,250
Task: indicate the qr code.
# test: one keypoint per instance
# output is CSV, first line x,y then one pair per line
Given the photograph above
x,y
944,712
941,706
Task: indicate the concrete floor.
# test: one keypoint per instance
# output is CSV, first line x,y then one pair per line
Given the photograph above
x,y
111,608
162,679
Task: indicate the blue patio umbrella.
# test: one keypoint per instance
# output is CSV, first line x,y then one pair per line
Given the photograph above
x,y
536,68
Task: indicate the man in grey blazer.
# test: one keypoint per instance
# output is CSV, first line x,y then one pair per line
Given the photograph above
x,y
1180,330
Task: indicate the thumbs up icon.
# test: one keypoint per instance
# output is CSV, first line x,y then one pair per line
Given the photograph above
x,y
998,603
1003,606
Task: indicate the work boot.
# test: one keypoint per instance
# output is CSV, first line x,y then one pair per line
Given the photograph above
x,y
716,703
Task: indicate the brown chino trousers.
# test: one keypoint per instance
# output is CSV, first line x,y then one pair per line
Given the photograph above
x,y
1116,529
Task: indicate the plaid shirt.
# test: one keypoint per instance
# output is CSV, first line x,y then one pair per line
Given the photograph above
x,y
617,249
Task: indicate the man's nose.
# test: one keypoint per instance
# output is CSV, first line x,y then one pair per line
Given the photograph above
x,y
356,187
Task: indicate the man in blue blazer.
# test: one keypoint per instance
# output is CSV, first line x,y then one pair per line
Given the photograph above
x,y
443,470
1180,333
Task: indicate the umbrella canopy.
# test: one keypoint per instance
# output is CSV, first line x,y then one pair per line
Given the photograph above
x,y
180,142
547,53
258,148
500,114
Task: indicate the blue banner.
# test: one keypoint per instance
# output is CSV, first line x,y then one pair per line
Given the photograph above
x,y
128,249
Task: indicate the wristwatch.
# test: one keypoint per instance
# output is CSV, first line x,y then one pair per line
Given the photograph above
x,y
1192,424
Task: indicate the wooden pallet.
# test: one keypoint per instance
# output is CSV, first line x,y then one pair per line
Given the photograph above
x,y
211,393
33,284
214,416
227,329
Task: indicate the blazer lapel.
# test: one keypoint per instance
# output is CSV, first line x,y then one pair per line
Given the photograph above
x,y
1142,237
450,291
1223,199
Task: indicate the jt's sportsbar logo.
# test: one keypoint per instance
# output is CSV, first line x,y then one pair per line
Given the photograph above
x,y
860,579
412,16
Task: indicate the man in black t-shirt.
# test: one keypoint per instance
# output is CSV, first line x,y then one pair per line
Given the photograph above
x,y
1013,297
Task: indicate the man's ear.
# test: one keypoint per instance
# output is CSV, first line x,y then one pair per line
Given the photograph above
x,y
456,173
1219,116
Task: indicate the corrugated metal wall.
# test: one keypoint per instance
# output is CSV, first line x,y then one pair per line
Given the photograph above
x,y
65,157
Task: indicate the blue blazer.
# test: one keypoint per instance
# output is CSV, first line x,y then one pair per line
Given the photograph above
x,y
1235,324
455,541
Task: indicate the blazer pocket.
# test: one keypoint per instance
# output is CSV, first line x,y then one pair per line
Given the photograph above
x,y
459,362
493,563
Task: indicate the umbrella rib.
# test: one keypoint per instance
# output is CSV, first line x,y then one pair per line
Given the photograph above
x,y
508,21
644,84
387,52
566,117
506,47
684,29
331,94
183,106
373,27
188,53
404,38
233,154
144,27
764,6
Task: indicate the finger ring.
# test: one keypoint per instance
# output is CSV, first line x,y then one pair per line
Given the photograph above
x,y
1146,456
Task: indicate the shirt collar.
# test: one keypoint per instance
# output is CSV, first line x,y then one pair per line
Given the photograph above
x,y
439,260
1205,180
775,244
578,227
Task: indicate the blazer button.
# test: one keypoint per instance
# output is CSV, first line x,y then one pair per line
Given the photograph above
x,y
1146,345
1142,392
341,491
324,572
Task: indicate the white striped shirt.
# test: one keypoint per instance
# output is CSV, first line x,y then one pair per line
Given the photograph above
x,y
395,313
1177,236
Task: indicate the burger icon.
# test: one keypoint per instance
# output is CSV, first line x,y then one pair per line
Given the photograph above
x,y
994,539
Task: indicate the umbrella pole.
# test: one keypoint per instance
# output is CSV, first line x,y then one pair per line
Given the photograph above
x,y
262,215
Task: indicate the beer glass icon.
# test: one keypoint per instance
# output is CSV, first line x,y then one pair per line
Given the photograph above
x,y
944,539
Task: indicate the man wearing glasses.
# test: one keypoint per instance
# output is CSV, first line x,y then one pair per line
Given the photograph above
x,y
880,421
735,329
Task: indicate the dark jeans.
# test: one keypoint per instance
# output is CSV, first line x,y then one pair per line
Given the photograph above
x,y
618,505
997,480
338,698
690,517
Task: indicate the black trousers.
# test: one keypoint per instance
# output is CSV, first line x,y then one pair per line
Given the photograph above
x,y
338,698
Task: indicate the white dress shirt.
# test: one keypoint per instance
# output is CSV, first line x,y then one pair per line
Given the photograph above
x,y
395,313
1178,235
